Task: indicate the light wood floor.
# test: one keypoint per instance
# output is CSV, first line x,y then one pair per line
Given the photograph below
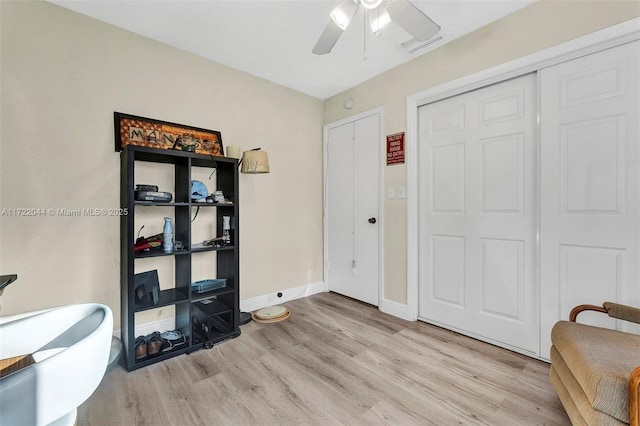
x,y
334,361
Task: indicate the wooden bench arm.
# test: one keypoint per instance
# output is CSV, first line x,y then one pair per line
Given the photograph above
x,y
634,397
581,308
614,310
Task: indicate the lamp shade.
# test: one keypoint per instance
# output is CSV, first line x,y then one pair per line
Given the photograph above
x,y
255,162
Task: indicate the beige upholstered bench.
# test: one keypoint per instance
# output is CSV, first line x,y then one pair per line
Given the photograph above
x,y
596,371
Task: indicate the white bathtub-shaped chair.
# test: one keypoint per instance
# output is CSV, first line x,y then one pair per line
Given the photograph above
x,y
71,347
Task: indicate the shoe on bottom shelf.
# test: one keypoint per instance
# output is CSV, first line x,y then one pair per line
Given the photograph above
x,y
141,347
154,343
172,340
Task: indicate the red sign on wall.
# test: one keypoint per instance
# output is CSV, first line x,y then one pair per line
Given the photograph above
x,y
395,148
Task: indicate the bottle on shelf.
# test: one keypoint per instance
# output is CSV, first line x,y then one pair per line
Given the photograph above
x,y
226,227
168,235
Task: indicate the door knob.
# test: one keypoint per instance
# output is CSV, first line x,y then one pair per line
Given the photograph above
x,y
372,220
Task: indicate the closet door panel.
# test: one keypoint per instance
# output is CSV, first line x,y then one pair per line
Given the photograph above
x,y
589,226
478,213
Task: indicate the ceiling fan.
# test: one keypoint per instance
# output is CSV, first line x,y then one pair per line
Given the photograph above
x,y
380,12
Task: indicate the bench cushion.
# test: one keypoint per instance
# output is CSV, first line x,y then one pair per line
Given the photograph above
x,y
573,398
601,361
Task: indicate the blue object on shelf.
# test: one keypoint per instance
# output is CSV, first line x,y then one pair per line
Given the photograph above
x,y
203,286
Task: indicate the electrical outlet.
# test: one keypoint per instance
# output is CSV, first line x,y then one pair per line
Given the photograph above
x,y
402,192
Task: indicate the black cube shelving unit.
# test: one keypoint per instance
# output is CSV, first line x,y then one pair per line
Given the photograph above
x,y
224,323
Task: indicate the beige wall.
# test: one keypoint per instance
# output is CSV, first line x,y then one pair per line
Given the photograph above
x,y
538,26
63,76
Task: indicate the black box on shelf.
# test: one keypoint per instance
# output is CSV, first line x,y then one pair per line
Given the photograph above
x,y
211,318
158,197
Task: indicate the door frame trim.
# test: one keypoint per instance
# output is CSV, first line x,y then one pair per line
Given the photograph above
x,y
591,43
379,111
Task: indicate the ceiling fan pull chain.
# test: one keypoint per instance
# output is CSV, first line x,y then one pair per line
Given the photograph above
x,y
364,34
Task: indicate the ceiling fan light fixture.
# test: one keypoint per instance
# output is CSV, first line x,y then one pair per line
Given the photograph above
x,y
378,18
370,4
343,13
379,13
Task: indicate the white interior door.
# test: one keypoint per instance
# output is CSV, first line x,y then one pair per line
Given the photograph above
x,y
477,213
353,152
590,134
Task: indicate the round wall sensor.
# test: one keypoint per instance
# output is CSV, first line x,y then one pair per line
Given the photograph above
x,y
348,104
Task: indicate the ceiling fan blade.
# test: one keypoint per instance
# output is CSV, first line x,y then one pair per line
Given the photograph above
x,y
327,39
413,20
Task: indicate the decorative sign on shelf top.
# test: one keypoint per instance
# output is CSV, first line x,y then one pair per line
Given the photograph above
x,y
141,131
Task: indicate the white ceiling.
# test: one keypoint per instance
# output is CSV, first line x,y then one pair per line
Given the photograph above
x,y
273,39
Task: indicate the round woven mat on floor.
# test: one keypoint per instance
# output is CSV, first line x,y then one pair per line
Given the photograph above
x,y
271,314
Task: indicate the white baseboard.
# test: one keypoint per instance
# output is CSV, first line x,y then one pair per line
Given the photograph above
x,y
259,302
146,328
246,305
396,309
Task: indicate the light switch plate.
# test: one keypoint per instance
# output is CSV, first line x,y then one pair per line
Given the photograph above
x,y
391,192
402,192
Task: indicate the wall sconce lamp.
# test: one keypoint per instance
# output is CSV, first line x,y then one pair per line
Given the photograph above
x,y
254,161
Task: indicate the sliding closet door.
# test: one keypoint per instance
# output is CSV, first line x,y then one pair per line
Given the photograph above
x,y
590,186
477,208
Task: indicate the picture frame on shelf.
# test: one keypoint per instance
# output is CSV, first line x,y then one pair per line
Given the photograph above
x,y
135,130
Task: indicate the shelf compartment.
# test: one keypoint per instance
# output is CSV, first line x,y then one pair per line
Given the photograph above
x,y
160,356
211,328
167,297
204,249
211,307
158,253
157,204
214,337
196,204
174,156
197,297
139,363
